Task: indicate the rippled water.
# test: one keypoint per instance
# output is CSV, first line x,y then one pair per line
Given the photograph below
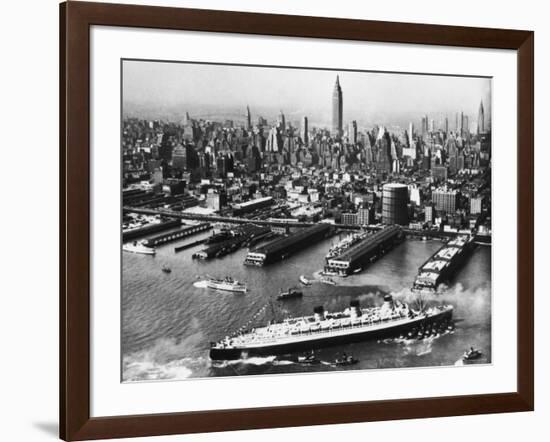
x,y
168,321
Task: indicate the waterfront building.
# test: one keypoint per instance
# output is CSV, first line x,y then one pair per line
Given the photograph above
x,y
395,199
337,109
349,218
365,216
475,205
215,200
252,205
428,214
445,200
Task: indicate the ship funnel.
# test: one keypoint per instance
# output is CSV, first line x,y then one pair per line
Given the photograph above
x,y
354,308
319,313
388,303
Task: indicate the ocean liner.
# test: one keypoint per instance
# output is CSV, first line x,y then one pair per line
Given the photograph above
x,y
323,329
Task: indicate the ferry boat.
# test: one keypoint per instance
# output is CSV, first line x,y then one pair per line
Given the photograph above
x,y
289,294
305,281
138,247
323,329
227,284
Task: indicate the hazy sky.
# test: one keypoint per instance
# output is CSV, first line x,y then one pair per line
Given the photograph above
x,y
162,90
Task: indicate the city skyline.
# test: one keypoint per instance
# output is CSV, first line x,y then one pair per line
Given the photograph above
x,y
281,229
170,90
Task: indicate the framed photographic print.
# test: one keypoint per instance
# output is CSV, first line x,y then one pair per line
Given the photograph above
x,y
273,220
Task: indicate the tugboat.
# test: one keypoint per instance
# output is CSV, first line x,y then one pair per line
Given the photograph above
x,y
308,359
344,361
138,247
304,280
227,284
471,354
289,294
323,329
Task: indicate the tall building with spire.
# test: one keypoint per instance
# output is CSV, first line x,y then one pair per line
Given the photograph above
x,y
337,109
248,119
281,121
481,119
305,133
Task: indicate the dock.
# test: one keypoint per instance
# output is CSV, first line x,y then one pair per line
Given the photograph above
x,y
367,250
178,234
282,248
149,229
442,265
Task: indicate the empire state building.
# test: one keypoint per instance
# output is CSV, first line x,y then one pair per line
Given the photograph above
x,y
337,103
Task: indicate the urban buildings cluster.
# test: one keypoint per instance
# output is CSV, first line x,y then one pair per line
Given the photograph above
x,y
436,175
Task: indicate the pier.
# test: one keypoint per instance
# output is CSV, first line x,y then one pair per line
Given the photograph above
x,y
284,247
178,234
148,229
442,265
367,250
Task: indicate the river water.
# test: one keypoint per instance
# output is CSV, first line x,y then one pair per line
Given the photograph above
x,y
168,320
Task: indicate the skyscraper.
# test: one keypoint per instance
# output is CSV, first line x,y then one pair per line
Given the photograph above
x,y
282,121
481,119
248,119
352,132
305,134
337,108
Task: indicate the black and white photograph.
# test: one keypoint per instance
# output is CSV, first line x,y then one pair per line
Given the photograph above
x,y
280,220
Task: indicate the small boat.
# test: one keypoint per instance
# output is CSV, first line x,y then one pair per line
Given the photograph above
x,y
344,361
304,280
227,284
308,359
138,247
471,354
166,269
289,294
357,270
329,281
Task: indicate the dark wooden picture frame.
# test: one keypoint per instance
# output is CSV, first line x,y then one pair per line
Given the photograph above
x,y
75,21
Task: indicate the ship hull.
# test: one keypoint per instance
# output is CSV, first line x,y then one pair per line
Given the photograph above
x,y
327,340
226,288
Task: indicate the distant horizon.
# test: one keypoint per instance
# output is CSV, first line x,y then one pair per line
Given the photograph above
x,y
168,90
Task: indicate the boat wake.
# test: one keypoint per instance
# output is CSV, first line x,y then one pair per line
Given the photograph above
x,y
164,361
151,371
255,360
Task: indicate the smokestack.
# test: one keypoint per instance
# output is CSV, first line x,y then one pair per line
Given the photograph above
x,y
355,310
319,313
